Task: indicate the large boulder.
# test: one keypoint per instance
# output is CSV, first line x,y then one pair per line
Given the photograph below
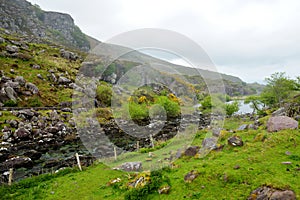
x,y
268,193
281,123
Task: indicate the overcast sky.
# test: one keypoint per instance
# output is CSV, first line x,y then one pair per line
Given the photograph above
x,y
249,39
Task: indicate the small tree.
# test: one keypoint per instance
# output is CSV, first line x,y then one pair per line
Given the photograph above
x,y
231,108
277,89
255,103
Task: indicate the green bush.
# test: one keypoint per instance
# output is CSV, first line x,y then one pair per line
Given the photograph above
x,y
206,103
138,111
34,102
172,108
157,179
231,108
104,94
10,103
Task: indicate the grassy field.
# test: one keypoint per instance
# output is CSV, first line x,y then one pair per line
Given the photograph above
x,y
231,173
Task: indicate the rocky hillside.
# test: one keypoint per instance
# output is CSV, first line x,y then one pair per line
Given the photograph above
x,y
20,16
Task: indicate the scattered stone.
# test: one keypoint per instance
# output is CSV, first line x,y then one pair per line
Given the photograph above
x,y
53,77
192,151
286,163
112,182
52,130
28,113
216,132
192,175
11,94
131,166
279,112
235,141
164,190
32,88
178,153
68,55
22,133
12,71
40,76
281,123
12,49
243,127
13,123
64,81
17,162
2,40
252,126
288,153
5,79
36,66
269,193
66,110
33,154
210,143
20,80
237,167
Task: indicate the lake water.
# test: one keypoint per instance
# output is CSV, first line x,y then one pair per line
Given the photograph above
x,y
243,108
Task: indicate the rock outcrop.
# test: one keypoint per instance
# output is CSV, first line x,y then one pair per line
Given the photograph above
x,y
20,16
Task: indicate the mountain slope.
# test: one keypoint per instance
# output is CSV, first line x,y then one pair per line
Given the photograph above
x,y
20,16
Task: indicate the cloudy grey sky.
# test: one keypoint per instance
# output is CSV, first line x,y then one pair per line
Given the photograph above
x,y
247,38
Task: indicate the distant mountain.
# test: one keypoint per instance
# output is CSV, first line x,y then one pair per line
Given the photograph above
x,y
20,16
23,18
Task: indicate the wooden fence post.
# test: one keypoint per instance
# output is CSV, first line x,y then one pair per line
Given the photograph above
x,y
152,141
138,145
115,152
10,177
78,161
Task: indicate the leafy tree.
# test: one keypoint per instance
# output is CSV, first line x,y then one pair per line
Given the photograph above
x,y
278,88
231,108
255,103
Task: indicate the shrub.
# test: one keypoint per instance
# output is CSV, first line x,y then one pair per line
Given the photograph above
x,y
138,111
10,103
231,108
34,102
104,94
157,179
172,108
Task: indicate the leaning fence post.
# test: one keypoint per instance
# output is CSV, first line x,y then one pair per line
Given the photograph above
x,y
152,141
78,161
138,145
10,177
115,152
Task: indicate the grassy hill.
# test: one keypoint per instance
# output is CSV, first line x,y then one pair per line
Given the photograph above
x,y
229,173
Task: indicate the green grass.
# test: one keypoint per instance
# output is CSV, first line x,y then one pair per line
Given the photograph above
x,y
259,161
